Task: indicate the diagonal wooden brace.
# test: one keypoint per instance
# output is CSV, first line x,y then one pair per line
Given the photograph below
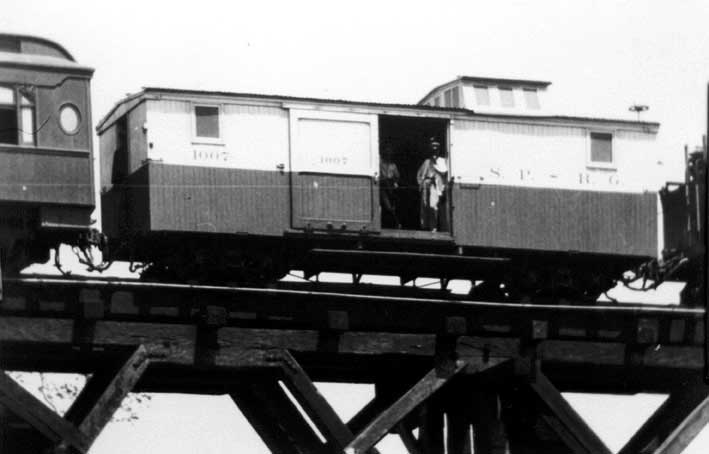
x,y
685,432
407,438
564,420
275,418
367,413
90,412
103,393
421,391
33,411
335,431
675,422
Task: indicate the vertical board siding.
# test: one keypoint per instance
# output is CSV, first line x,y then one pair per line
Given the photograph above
x,y
556,220
542,155
203,199
45,176
125,207
251,137
341,200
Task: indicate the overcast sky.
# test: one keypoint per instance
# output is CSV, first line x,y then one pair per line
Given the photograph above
x,y
602,56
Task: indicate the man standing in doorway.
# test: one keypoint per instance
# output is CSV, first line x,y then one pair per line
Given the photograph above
x,y
431,178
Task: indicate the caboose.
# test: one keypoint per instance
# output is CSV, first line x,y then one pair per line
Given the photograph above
x,y
46,176
232,187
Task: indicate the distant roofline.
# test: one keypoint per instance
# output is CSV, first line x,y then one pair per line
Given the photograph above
x,y
489,81
498,80
559,118
39,39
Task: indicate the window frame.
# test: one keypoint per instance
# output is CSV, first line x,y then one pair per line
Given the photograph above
x,y
456,95
219,140
535,92
448,97
511,90
590,163
79,118
477,89
18,107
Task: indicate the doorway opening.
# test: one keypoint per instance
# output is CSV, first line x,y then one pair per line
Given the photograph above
x,y
404,147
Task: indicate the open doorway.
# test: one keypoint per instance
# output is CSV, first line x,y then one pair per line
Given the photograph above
x,y
405,145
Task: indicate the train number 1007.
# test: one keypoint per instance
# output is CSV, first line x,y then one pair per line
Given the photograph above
x,y
210,155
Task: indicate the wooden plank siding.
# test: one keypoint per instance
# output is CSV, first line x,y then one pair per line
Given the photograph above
x,y
45,176
555,219
125,207
346,202
218,200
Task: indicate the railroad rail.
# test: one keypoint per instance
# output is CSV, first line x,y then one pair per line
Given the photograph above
x,y
496,367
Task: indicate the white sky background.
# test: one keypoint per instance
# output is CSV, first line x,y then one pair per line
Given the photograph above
x,y
602,56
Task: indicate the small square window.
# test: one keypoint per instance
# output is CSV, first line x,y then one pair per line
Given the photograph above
x,y
601,148
531,98
507,98
482,95
207,121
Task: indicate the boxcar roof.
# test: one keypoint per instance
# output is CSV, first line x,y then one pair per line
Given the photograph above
x,y
501,81
125,105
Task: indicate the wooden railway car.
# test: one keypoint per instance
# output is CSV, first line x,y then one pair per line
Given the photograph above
x,y
230,187
46,177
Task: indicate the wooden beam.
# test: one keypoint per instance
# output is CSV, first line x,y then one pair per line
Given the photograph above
x,y
564,420
271,434
108,400
275,418
489,431
421,391
431,427
174,344
386,393
408,439
314,404
663,422
458,424
687,430
366,414
30,409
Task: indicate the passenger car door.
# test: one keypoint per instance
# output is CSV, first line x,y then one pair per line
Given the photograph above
x,y
334,163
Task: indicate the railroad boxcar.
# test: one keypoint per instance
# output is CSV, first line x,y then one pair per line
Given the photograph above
x,y
46,176
231,187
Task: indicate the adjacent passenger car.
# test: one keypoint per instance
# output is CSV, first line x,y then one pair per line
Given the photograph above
x,y
46,177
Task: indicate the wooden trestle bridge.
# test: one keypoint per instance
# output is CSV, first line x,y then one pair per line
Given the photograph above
x,y
492,371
